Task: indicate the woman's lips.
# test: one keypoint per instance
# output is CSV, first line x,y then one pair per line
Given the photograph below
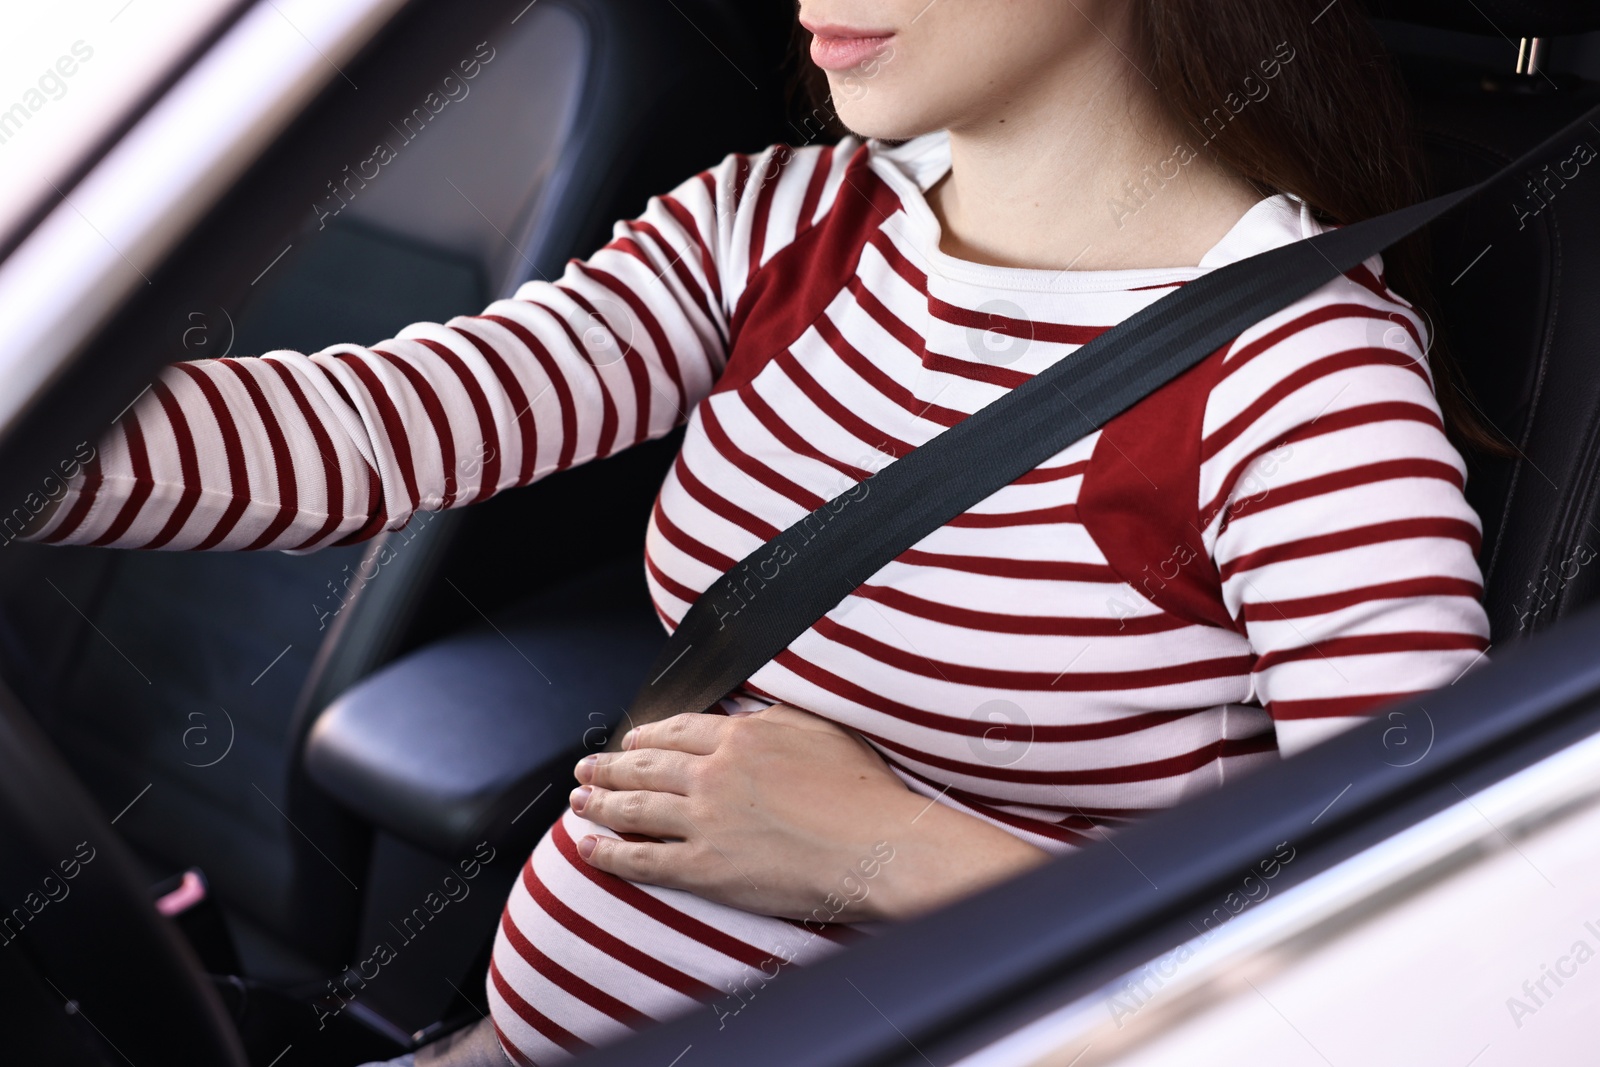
x,y
838,48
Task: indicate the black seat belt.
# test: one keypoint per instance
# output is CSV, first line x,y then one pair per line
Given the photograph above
x,y
805,571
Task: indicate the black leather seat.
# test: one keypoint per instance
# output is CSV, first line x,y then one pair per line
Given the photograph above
x,y
1516,276
588,99
627,141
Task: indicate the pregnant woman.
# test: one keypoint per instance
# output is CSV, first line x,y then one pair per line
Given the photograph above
x,y
1247,561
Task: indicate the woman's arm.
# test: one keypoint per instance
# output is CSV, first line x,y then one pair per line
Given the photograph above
x,y
296,452
783,813
1345,545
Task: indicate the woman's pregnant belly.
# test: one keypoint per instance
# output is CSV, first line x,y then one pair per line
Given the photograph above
x,y
583,957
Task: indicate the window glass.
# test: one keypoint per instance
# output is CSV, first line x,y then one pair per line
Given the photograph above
x,y
69,72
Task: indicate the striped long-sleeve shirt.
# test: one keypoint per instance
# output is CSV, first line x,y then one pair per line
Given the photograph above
x,y
1253,557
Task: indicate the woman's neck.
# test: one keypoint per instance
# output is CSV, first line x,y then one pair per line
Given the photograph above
x,y
1084,171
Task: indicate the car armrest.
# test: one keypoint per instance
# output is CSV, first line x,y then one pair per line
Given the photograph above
x,y
474,737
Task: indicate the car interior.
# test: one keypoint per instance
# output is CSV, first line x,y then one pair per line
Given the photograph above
x,y
326,739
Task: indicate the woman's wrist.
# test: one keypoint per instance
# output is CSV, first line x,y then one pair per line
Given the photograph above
x,y
940,855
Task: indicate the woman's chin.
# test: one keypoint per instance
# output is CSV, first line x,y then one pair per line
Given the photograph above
x,y
883,123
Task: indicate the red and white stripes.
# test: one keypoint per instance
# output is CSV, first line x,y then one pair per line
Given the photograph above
x,y
1252,558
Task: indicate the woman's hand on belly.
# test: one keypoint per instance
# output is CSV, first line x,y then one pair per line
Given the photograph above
x,y
779,812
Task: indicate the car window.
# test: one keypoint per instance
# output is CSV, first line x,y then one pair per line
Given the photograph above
x,y
74,268
72,72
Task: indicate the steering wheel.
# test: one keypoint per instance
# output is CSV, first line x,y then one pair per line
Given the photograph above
x,y
88,925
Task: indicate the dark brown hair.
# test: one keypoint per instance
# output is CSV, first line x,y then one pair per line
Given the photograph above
x,y
1333,128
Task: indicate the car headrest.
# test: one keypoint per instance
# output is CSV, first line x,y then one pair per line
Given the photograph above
x,y
1504,18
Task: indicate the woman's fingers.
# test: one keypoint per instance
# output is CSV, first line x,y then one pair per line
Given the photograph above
x,y
673,864
661,770
692,732
637,861
632,811
701,734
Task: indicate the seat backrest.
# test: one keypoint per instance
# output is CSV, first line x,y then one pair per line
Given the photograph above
x,y
635,119
642,99
1515,278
